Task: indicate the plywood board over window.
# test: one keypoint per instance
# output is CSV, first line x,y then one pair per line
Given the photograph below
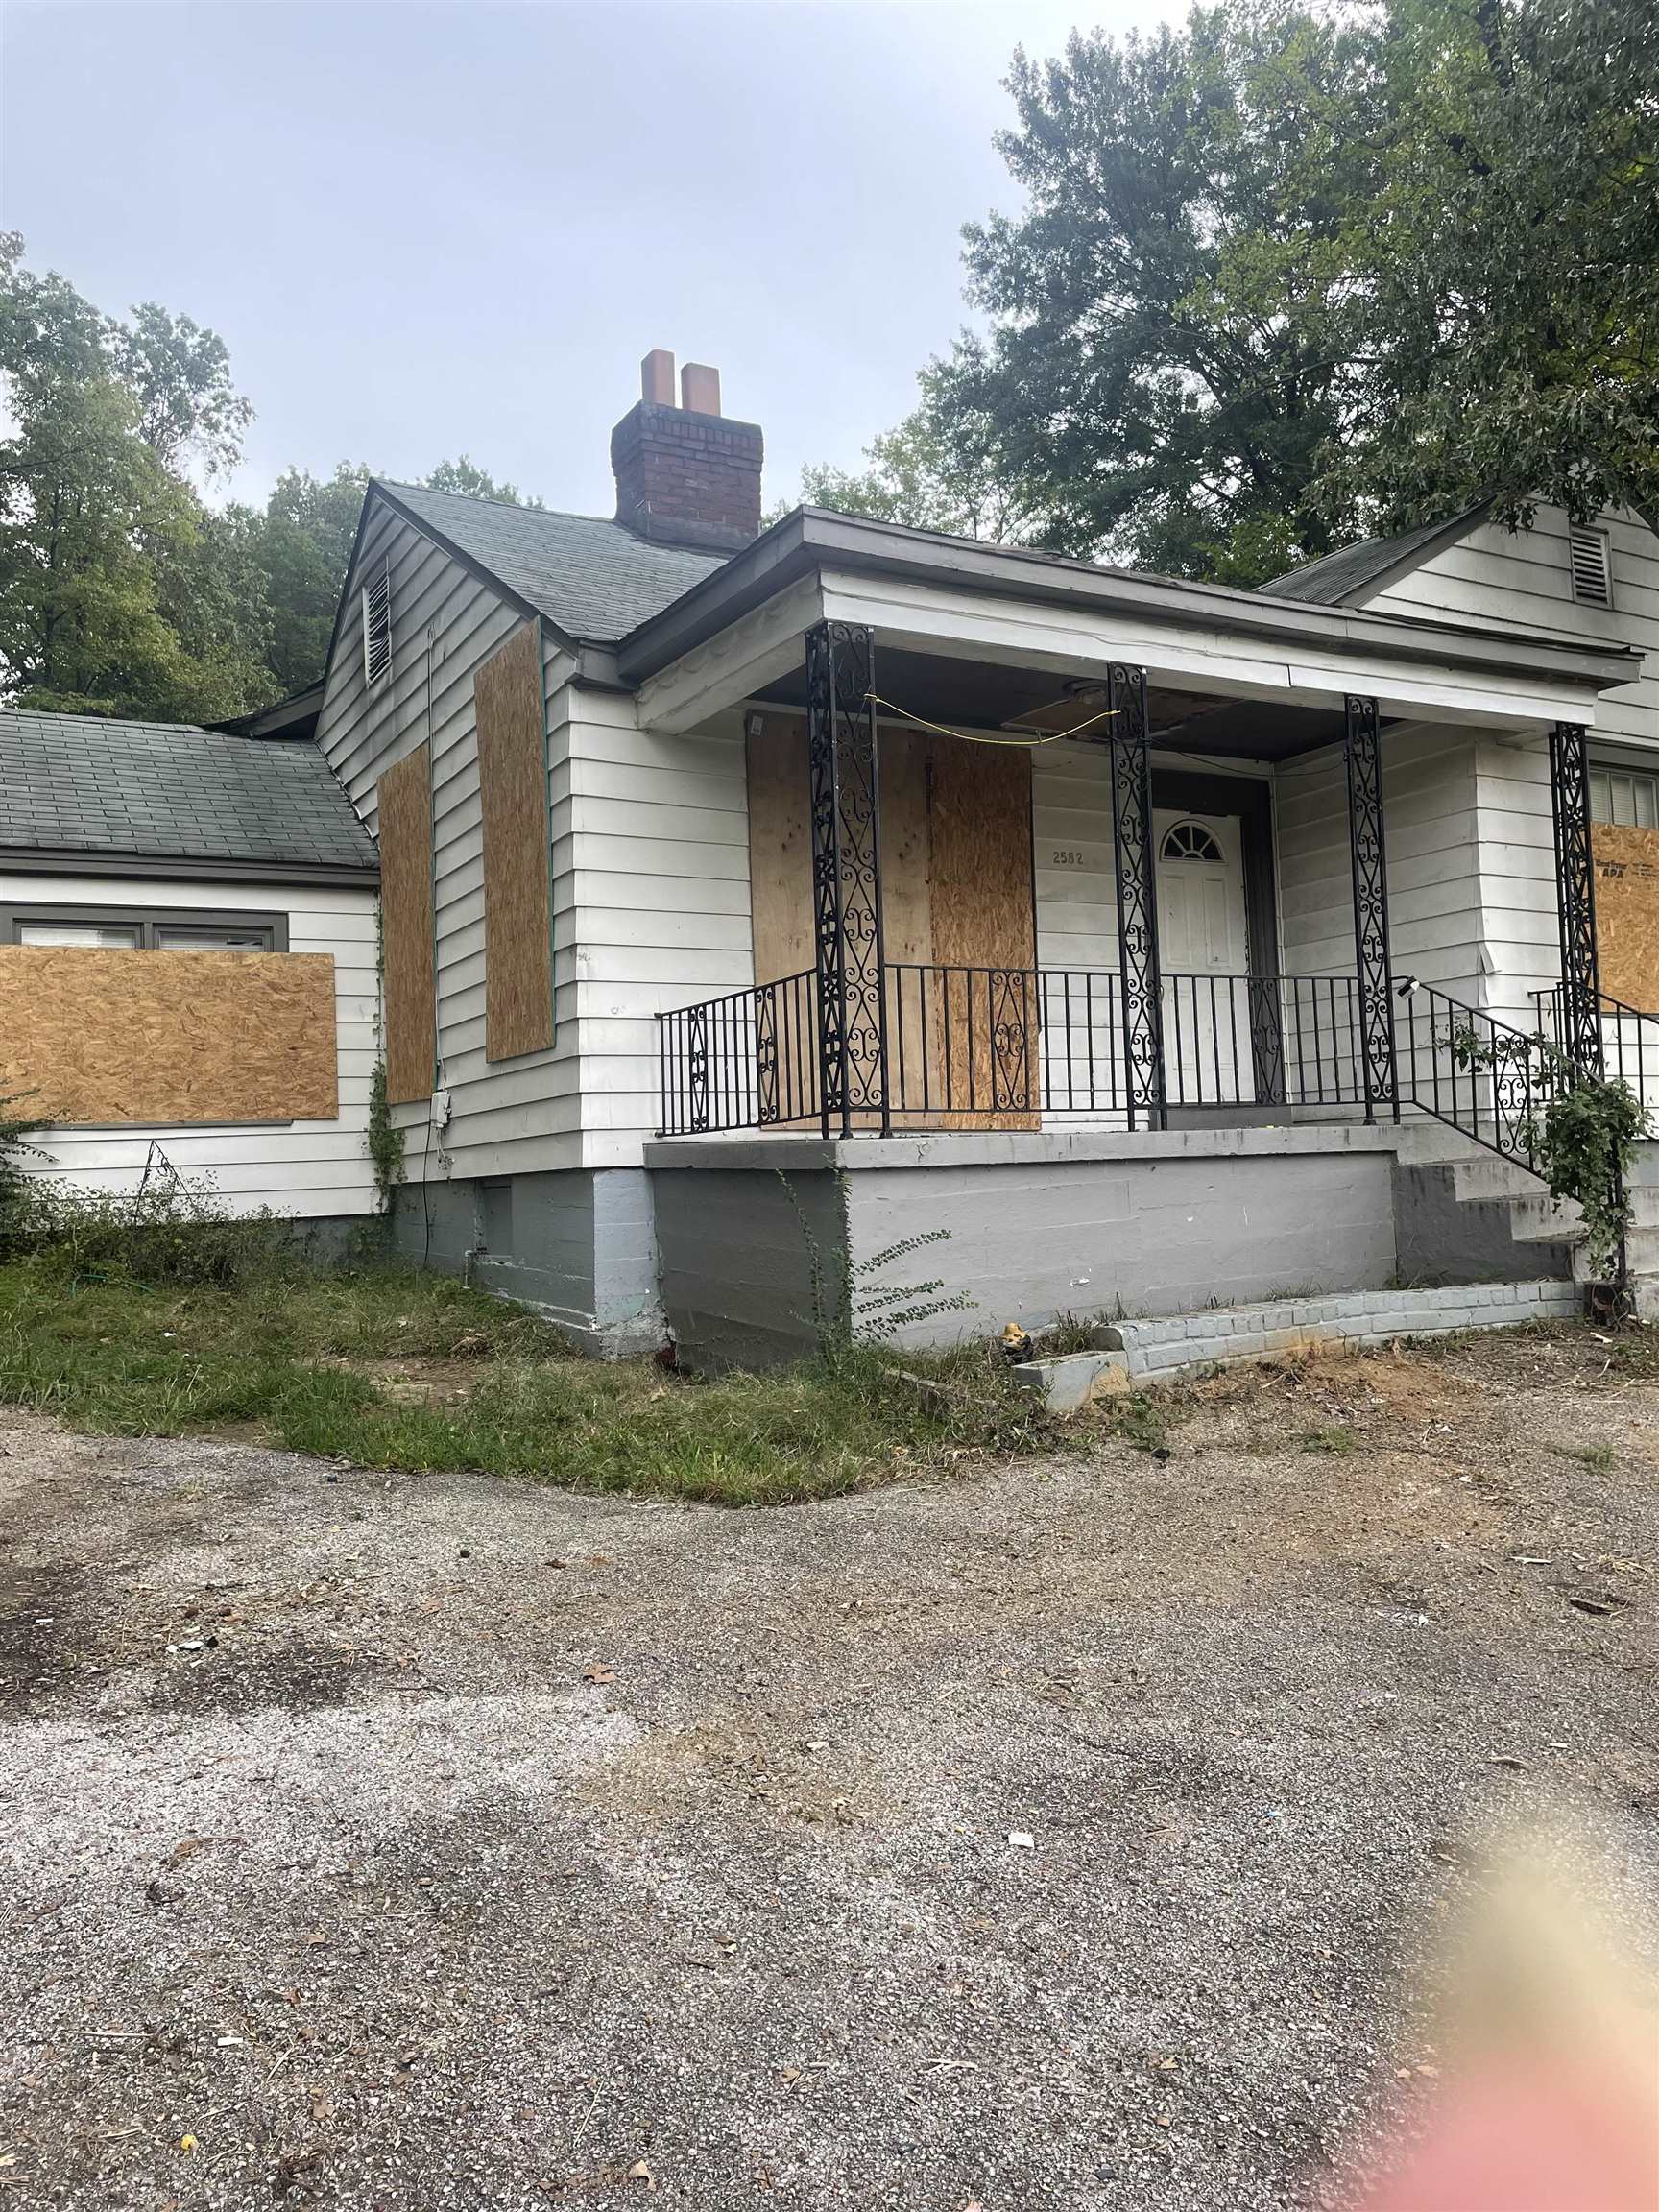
x,y
403,800
517,849
956,894
112,1038
1627,912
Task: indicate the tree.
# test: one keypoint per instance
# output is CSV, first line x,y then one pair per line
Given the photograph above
x,y
1287,276
940,469
475,482
1167,352
1508,269
302,544
110,598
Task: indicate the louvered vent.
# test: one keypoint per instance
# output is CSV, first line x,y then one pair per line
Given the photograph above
x,y
377,623
1588,558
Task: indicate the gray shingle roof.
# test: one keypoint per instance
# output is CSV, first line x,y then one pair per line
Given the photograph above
x,y
81,783
1354,574
593,579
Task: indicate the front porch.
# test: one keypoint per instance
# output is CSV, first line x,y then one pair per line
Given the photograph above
x,y
976,904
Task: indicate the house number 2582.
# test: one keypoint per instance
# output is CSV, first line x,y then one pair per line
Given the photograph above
x,y
1068,856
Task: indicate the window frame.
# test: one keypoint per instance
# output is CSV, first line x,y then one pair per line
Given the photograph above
x,y
1576,531
146,919
1614,773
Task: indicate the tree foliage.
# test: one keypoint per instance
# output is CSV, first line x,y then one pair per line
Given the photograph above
x,y
122,591
1294,273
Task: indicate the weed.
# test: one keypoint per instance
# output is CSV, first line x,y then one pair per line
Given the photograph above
x,y
1336,1441
1600,1459
1140,1418
305,1357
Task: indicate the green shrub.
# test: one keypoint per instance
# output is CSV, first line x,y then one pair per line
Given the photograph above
x,y
173,1230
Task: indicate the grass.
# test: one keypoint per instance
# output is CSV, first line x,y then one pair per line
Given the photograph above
x,y
1336,1442
390,1367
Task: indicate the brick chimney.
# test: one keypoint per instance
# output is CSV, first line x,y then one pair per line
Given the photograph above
x,y
687,475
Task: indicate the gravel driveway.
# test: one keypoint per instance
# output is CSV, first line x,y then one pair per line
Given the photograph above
x,y
404,1842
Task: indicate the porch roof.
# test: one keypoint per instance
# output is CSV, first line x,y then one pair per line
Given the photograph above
x,y
811,539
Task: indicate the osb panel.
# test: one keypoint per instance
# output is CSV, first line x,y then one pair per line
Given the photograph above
x,y
403,796
1627,912
956,889
983,911
780,850
517,856
913,1046
107,1037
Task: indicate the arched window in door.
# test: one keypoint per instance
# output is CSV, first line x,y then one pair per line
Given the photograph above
x,y
1190,841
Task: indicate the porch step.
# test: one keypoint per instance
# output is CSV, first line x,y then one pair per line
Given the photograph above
x,y
1159,1350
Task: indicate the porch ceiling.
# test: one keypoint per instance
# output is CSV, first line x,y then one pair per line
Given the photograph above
x,y
987,695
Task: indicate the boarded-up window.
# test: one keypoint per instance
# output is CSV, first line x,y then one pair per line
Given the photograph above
x,y
404,799
107,1037
518,850
1627,912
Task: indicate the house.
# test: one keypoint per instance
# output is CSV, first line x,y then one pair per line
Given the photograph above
x,y
755,901
187,960
1595,581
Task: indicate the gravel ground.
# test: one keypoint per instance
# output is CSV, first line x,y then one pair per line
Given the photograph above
x,y
403,1842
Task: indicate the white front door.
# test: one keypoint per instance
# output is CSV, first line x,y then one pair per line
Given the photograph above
x,y
1203,951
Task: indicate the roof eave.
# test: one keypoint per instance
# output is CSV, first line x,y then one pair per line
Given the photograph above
x,y
811,539
103,860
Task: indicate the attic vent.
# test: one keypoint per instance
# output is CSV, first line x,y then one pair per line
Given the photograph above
x,y
1592,567
377,623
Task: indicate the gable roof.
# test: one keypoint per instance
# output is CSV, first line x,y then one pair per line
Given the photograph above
x,y
1358,572
594,580
82,785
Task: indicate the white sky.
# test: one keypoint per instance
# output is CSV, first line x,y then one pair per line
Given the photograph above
x,y
429,230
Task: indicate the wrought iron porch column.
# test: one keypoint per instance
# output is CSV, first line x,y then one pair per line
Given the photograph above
x,y
1581,1033
846,875
1134,861
1362,751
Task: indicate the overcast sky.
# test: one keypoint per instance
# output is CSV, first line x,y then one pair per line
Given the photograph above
x,y
429,230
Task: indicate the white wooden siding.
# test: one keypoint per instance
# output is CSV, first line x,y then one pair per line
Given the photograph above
x,y
659,852
1497,579
306,1168
506,1117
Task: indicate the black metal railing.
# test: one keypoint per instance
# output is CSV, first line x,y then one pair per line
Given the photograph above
x,y
1482,1076
1630,1039
1009,1044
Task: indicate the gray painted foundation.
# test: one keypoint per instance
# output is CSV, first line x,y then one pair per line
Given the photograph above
x,y
575,1243
1035,1225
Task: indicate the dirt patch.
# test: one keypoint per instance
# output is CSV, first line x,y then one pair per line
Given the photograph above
x,y
475,1844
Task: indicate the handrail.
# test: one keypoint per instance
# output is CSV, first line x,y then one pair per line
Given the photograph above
x,y
1630,1039
1477,1074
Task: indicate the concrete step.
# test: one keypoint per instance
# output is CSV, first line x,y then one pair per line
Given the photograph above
x,y
1537,1220
1430,1143
1489,1176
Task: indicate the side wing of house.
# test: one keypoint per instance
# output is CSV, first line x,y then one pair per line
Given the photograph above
x,y
250,1076
1603,585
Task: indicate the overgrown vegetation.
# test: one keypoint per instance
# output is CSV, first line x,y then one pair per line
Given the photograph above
x,y
165,1316
16,1128
385,1141
1582,1137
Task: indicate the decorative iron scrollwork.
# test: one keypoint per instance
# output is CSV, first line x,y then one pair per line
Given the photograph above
x,y
697,1068
1364,752
1128,738
846,873
1580,1029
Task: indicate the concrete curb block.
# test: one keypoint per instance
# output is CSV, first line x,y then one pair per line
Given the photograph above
x,y
1162,1350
